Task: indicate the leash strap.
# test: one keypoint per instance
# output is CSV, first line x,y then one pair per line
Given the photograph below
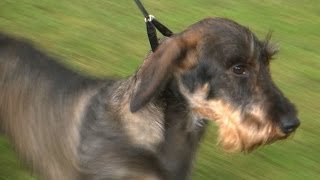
x,y
152,25
163,29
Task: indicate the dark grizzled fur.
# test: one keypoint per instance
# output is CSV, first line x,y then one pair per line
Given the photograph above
x,y
101,133
32,81
173,159
148,126
182,138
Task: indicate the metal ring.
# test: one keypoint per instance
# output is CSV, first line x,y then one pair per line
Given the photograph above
x,y
149,18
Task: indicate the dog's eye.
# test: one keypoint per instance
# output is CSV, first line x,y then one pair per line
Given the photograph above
x,y
239,69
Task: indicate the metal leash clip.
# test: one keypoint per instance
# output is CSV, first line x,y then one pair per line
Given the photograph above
x,y
152,25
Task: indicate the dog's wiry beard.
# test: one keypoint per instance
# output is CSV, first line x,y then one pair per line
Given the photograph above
x,y
239,130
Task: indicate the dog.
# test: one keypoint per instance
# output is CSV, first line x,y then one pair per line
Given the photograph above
x,y
148,126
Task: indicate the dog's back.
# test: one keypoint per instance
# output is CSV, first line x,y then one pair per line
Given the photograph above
x,y
41,106
67,126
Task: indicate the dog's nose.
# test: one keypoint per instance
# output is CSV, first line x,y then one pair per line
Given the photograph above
x,y
289,124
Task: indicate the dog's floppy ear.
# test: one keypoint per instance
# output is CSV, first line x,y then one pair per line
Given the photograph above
x,y
155,72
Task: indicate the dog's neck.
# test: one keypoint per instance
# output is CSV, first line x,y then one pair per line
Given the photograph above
x,y
177,103
151,117
145,127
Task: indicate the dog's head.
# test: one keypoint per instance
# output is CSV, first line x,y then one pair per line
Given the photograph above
x,y
223,72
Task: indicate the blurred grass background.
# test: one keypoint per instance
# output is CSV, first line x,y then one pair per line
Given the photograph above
x,y
102,38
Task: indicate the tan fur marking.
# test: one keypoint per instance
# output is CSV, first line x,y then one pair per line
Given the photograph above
x,y
237,131
189,61
145,127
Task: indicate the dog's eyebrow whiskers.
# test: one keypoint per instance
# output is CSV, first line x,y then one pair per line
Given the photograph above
x,y
252,44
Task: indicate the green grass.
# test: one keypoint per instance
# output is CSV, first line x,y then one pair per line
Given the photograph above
x,y
103,38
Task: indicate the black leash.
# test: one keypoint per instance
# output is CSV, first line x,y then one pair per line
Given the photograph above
x,y
152,24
